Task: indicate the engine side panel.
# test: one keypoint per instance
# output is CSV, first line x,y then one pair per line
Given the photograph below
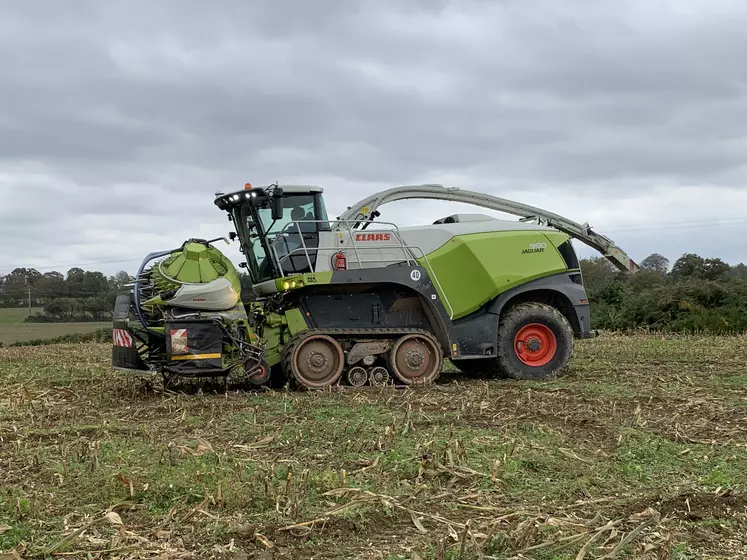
x,y
471,270
381,306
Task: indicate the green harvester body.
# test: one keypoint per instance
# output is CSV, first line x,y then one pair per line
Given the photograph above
x,y
360,301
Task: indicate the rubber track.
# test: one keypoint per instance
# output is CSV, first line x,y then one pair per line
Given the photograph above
x,y
344,333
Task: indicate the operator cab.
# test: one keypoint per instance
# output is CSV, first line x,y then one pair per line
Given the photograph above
x,y
278,228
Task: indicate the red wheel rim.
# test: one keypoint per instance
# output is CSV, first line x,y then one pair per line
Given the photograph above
x,y
535,345
260,374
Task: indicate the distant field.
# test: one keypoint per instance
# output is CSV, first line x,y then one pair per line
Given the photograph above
x,y
13,329
21,332
16,314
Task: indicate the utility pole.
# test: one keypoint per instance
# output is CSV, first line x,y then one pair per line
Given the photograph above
x,y
29,302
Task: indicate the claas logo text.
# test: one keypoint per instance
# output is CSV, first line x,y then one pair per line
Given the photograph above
x,y
373,236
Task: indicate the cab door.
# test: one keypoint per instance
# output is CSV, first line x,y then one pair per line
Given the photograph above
x,y
305,212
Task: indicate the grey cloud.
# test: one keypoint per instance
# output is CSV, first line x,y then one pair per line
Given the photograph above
x,y
139,111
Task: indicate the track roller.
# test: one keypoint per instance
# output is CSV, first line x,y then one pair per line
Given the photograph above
x,y
357,376
416,359
378,376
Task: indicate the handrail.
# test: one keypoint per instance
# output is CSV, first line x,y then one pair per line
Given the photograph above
x,y
347,223
407,251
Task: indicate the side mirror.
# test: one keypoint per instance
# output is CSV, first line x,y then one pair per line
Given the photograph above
x,y
232,235
276,204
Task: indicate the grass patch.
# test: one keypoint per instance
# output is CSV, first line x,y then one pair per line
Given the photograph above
x,y
44,333
643,437
15,315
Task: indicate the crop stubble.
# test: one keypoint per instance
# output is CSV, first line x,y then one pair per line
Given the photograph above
x,y
638,451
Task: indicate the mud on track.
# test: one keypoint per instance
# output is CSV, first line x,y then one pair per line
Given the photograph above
x,y
639,451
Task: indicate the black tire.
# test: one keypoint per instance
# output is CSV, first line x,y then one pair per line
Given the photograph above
x,y
552,331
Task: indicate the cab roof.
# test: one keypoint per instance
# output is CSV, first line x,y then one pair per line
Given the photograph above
x,y
287,189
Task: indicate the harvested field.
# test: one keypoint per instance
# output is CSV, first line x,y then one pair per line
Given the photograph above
x,y
639,451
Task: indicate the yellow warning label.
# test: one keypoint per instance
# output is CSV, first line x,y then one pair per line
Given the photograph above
x,y
197,357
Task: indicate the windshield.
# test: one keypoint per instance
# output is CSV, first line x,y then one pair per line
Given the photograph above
x,y
295,208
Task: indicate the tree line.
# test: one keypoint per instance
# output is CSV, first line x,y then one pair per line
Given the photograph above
x,y
78,296
694,294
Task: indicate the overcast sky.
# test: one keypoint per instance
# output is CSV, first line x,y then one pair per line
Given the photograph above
x,y
119,120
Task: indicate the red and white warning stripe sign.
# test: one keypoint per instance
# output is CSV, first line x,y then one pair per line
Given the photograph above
x,y
179,341
122,337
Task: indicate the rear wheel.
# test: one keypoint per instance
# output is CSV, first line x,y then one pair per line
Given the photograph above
x,y
535,341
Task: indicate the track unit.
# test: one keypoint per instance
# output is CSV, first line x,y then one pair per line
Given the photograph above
x,y
317,358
